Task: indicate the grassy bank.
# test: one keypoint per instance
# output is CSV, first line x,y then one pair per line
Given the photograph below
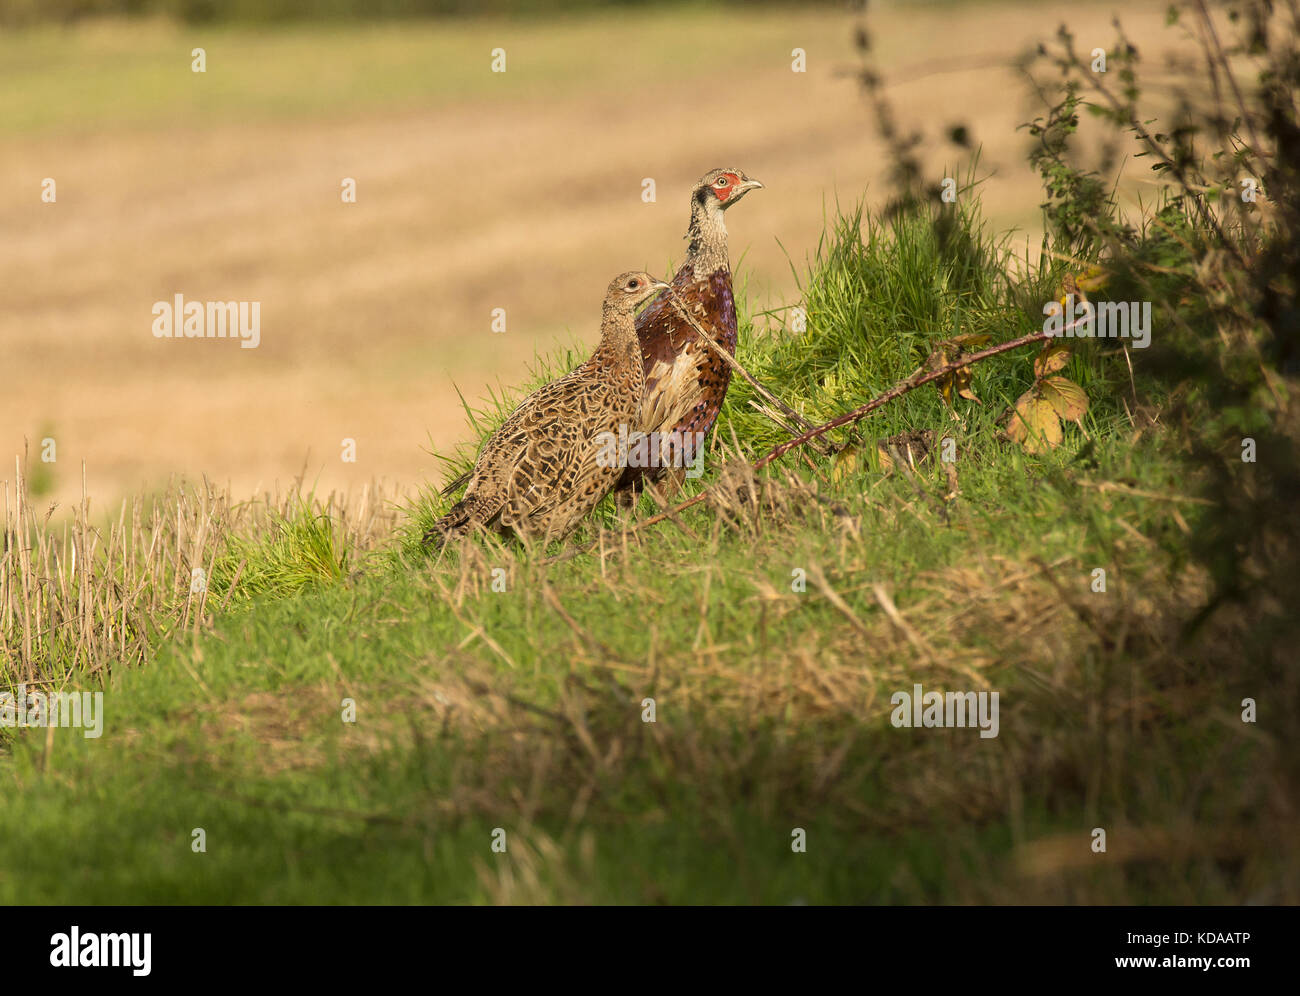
x,y
497,689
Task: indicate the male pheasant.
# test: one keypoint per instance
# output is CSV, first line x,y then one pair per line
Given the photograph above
x,y
685,380
551,462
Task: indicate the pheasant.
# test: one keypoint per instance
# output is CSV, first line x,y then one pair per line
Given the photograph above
x,y
551,461
685,380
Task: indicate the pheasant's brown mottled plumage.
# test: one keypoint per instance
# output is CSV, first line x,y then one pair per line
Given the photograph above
x,y
539,473
685,380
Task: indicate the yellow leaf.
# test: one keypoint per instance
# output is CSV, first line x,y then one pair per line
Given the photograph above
x,y
949,351
1066,397
944,386
1094,278
1079,284
1034,424
969,339
1053,358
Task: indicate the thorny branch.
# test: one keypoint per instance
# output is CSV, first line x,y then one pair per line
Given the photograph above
x,y
918,379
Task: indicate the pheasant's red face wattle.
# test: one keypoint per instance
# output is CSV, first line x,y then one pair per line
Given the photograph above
x,y
722,190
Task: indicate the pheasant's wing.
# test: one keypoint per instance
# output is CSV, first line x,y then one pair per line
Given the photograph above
x,y
673,389
685,379
538,477
594,466
570,464
664,337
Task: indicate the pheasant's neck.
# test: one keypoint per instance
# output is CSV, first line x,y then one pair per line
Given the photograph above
x,y
619,348
707,252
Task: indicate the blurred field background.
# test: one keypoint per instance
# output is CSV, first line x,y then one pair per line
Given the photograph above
x,y
475,191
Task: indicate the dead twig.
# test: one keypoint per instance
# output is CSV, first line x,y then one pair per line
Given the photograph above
x,y
732,362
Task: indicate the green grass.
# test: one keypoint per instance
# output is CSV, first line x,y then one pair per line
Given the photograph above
x,y
241,735
522,709
300,548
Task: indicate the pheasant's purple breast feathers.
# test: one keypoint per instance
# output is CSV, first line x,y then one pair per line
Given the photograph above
x,y
724,307
685,379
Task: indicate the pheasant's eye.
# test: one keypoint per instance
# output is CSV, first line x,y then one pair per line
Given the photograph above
x,y
722,181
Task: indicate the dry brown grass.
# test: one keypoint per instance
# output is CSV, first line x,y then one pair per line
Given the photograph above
x,y
88,594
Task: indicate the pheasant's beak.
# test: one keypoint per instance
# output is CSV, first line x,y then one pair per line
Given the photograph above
x,y
659,285
751,185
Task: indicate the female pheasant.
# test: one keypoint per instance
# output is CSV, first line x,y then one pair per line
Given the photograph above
x,y
685,380
549,464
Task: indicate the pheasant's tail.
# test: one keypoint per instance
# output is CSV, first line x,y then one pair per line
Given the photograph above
x,y
455,523
455,485
434,539
464,517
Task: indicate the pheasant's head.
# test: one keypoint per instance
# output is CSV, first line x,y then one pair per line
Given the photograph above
x,y
723,188
627,290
